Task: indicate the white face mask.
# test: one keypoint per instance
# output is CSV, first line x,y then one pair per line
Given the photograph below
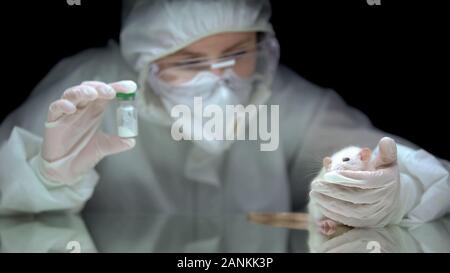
x,y
227,89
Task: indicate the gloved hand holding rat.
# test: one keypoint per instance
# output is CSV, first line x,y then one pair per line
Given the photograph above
x,y
358,189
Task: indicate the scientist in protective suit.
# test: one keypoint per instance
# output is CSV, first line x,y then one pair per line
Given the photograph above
x,y
58,153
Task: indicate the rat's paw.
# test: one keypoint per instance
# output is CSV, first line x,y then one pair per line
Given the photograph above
x,y
327,227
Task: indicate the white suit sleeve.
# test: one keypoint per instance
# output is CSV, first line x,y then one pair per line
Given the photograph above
x,y
425,185
22,190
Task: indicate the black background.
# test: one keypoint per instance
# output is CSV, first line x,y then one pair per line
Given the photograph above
x,y
386,60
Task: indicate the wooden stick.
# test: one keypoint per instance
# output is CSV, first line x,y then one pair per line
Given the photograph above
x,y
293,220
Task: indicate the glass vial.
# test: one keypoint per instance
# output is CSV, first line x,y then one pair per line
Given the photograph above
x,y
126,115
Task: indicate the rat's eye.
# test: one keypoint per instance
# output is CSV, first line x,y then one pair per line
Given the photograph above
x,y
346,159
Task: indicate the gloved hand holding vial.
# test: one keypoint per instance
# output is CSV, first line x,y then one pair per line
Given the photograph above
x,y
72,142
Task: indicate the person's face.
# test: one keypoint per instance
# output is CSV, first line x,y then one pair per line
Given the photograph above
x,y
211,48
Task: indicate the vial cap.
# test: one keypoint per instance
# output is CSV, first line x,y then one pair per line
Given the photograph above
x,y
125,96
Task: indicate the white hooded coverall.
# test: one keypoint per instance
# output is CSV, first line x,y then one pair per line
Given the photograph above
x,y
163,175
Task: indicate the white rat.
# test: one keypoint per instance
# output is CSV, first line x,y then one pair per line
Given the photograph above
x,y
351,158
354,159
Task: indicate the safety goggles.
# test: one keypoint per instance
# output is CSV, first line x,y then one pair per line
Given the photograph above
x,y
258,59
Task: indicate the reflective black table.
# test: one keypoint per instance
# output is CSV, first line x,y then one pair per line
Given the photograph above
x,y
109,232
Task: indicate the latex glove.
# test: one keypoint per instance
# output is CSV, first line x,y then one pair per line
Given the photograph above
x,y
72,142
362,198
378,240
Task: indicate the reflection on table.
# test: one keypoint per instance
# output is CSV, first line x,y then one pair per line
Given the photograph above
x,y
109,232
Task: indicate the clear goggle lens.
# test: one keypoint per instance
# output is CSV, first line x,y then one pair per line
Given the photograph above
x,y
245,63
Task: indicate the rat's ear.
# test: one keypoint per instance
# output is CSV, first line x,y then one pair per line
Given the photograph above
x,y
365,154
327,162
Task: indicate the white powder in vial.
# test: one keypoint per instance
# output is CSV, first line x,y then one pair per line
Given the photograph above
x,y
126,132
127,121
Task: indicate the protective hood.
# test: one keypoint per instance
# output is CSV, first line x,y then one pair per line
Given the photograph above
x,y
153,29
